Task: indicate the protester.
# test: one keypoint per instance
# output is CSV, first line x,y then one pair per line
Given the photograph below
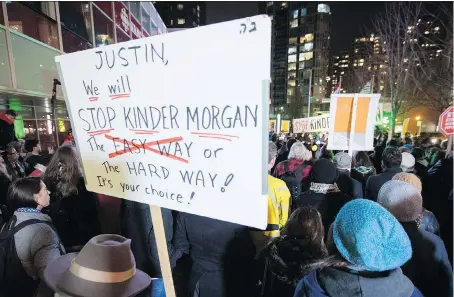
x,y
14,167
35,243
7,133
362,168
110,265
427,220
324,194
19,146
391,160
69,138
346,184
288,258
222,256
137,225
33,156
73,209
367,266
408,162
283,156
5,181
429,267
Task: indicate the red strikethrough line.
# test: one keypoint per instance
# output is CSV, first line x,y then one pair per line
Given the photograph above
x,y
100,131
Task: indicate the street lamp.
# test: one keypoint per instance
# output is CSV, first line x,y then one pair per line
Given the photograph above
x,y
418,124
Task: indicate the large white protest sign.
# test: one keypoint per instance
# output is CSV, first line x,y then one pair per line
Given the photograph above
x,y
311,124
177,120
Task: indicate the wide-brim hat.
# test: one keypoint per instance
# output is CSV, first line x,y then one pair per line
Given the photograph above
x,y
105,267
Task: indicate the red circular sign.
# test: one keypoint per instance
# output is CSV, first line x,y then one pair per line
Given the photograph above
x,y
446,122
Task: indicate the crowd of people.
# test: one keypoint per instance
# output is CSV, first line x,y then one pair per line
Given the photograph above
x,y
372,224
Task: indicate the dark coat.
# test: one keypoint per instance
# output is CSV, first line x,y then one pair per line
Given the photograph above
x,y
7,133
429,222
327,204
76,216
136,224
374,183
429,268
362,174
349,186
330,282
222,255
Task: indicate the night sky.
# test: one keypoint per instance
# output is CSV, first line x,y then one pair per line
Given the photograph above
x,y
349,19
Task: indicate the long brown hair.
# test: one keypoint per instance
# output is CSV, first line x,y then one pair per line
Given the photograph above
x,y
63,172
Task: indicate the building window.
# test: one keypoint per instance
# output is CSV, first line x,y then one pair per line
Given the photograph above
x,y
307,38
323,8
306,56
269,3
295,14
307,47
198,8
294,23
292,58
121,36
181,21
303,12
103,28
105,6
292,50
292,40
291,91
135,9
291,83
180,6
26,21
75,16
291,66
72,42
291,75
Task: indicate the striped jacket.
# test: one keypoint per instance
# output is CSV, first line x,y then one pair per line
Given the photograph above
x,y
278,206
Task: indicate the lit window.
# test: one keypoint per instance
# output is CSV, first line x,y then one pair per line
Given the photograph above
x,y
361,60
290,91
284,4
292,40
437,28
291,66
292,58
336,64
355,64
295,14
294,23
323,8
356,39
307,47
291,83
342,72
198,8
292,50
307,38
181,21
426,32
306,56
363,39
303,12
356,50
180,6
346,56
269,3
439,50
360,64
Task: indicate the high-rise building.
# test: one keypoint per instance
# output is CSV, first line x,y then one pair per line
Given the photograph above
x,y
300,55
339,72
179,15
32,34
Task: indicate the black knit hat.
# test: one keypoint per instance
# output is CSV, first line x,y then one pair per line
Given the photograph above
x,y
324,172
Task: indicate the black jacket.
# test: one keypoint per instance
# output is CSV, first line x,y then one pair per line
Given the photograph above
x,y
76,216
349,186
222,256
429,268
7,134
327,204
374,183
136,224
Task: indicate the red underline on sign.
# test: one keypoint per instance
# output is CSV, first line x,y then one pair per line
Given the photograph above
x,y
99,132
147,147
214,134
93,99
139,131
215,137
118,96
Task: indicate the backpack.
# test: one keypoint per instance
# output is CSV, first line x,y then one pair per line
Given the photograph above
x,y
14,280
293,180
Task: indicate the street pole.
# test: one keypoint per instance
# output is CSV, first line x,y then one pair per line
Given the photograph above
x,y
310,93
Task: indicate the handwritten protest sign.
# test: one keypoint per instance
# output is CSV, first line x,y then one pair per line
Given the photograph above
x,y
165,120
311,124
353,118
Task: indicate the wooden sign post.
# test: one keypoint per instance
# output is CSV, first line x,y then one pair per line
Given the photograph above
x,y
158,123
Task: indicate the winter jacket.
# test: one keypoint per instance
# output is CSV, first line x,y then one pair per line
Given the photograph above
x,y
429,268
429,222
374,183
137,225
222,255
349,186
330,282
7,133
327,204
37,245
75,216
362,174
278,206
284,262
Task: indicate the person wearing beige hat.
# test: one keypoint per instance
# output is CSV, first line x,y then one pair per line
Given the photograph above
x,y
105,267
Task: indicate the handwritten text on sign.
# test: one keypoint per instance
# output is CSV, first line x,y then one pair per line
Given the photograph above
x,y
159,123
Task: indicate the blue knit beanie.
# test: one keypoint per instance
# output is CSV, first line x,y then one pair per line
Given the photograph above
x,y
369,237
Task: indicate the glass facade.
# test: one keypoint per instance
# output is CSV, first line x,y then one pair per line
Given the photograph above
x,y
30,39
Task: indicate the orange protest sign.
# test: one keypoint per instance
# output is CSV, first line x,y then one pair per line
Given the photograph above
x,y
344,113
